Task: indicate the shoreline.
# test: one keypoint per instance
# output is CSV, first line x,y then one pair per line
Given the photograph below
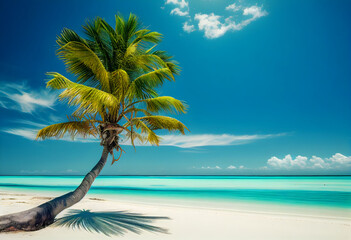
x,y
239,206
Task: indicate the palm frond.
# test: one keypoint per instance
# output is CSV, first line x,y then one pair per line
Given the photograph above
x,y
72,128
117,45
136,110
162,122
119,82
78,57
143,86
144,62
168,60
152,138
138,90
88,99
99,40
131,27
165,103
155,78
120,25
145,36
132,135
67,36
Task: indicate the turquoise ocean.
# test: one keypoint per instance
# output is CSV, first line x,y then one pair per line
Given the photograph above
x,y
321,191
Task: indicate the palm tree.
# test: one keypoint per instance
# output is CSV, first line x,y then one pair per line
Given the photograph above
x,y
118,73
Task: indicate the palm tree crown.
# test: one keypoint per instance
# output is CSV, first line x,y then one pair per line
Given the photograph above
x,y
117,75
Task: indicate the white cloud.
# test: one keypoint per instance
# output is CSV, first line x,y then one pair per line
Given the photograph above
x,y
31,133
232,167
179,12
27,133
188,27
255,11
338,158
201,140
53,118
287,162
213,27
69,171
180,3
317,162
337,161
181,9
21,98
3,105
212,168
233,7
210,24
30,123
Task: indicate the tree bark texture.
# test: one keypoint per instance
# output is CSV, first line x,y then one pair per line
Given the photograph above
x,y
44,214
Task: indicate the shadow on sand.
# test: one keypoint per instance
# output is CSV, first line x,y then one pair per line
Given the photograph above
x,y
109,223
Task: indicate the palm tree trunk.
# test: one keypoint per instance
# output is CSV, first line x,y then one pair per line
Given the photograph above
x,y
44,215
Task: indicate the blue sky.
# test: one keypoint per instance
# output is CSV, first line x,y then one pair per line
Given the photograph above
x,y
267,82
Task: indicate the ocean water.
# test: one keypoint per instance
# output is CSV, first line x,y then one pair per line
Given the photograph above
x,y
321,191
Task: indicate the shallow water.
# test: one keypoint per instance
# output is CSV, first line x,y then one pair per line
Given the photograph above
x,y
321,191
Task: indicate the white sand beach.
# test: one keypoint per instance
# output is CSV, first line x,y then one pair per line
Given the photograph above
x,y
189,222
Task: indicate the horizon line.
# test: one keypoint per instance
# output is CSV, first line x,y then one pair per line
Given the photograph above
x,y
177,175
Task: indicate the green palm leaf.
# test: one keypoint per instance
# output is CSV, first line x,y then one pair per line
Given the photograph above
x,y
162,122
119,84
171,64
76,55
143,86
99,41
165,103
89,100
72,128
152,138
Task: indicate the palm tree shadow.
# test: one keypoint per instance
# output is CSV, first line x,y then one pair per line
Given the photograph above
x,y
110,223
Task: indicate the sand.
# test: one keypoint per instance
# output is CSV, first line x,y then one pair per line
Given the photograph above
x,y
188,222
